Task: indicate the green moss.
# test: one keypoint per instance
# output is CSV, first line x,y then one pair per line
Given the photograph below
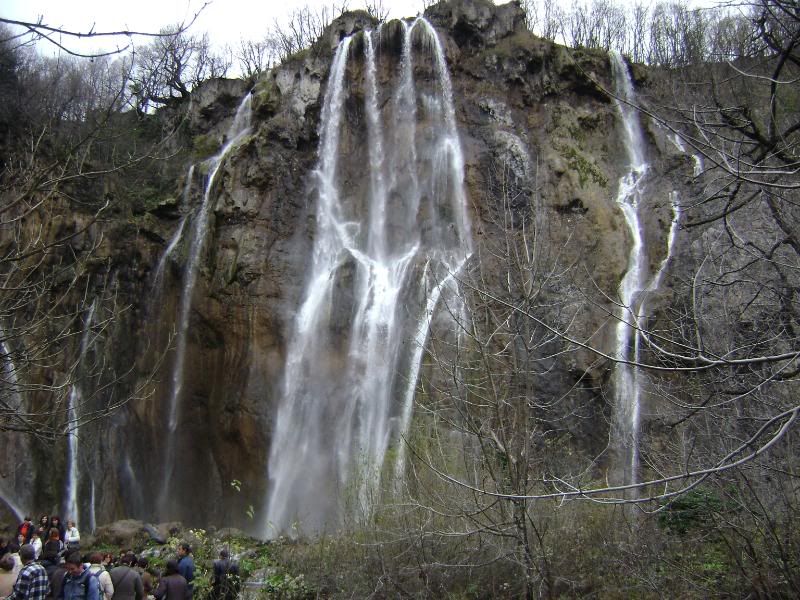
x,y
266,98
204,146
582,165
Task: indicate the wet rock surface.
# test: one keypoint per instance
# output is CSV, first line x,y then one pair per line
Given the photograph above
x,y
531,114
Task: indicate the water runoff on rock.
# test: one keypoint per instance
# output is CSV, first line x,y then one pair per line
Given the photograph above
x,y
239,128
392,230
627,388
637,283
75,402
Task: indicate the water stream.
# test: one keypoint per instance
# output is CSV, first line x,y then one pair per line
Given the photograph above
x,y
627,387
74,405
239,128
378,268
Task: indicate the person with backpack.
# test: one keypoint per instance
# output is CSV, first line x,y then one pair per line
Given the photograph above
x,y
79,583
127,581
97,569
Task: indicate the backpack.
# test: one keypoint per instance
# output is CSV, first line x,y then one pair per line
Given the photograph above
x,y
85,581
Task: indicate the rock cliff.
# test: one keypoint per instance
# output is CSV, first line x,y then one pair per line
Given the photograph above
x,y
543,146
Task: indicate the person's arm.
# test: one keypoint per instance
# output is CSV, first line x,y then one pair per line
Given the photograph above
x,y
161,590
138,587
108,585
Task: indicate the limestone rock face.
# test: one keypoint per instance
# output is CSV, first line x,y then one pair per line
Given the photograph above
x,y
532,116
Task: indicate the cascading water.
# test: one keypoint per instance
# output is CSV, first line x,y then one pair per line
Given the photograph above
x,y
9,392
74,403
379,265
173,243
627,389
239,128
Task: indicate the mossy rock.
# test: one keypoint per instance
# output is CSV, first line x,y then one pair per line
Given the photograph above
x,y
205,146
266,98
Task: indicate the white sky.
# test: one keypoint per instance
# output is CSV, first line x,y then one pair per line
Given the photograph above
x,y
226,21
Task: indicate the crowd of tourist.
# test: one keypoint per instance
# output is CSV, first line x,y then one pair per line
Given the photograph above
x,y
44,561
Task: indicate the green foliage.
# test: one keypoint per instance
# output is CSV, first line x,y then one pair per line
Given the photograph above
x,y
283,586
692,511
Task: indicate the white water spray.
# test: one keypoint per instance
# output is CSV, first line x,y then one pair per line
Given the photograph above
x,y
378,269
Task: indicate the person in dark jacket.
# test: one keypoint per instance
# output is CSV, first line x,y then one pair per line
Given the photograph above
x,y
225,580
53,549
62,530
147,577
127,581
186,566
42,528
173,585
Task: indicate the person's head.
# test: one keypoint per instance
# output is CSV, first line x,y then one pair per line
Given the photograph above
x,y
128,559
35,535
184,549
7,563
27,553
70,524
27,519
224,553
172,567
20,539
108,558
44,520
73,564
95,558
54,535
55,521
143,562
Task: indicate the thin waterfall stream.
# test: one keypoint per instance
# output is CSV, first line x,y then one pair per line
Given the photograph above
x,y
637,284
238,129
74,406
378,268
627,388
10,394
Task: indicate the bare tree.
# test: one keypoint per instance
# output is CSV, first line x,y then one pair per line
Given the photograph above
x,y
26,33
304,27
171,66
255,57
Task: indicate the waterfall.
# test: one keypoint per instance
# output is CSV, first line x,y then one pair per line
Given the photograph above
x,y
12,399
378,268
176,238
239,128
627,388
74,402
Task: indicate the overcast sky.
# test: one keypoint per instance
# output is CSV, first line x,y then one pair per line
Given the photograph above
x,y
226,21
